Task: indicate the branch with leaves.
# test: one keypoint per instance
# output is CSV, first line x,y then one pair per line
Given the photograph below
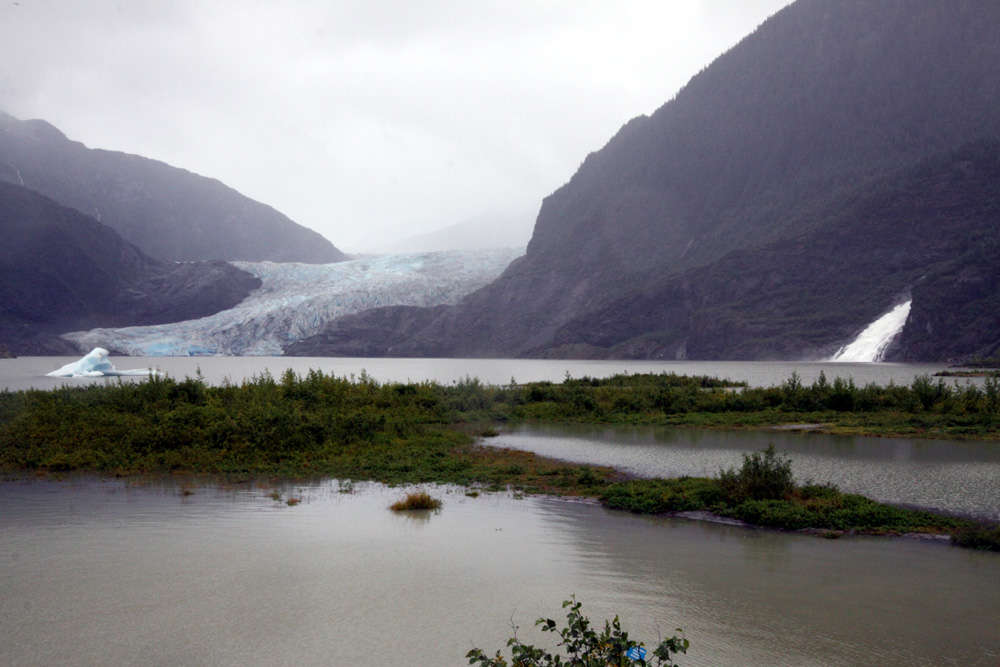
x,y
583,646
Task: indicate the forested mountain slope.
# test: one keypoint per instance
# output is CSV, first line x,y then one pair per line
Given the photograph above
x,y
61,270
169,213
677,237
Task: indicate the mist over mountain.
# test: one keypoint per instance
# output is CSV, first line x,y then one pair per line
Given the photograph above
x,y
168,213
484,232
61,270
840,158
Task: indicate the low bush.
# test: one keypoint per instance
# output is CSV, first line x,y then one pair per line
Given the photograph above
x,y
763,476
416,500
986,538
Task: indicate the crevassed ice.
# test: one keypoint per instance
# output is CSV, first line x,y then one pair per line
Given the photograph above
x,y
297,300
872,343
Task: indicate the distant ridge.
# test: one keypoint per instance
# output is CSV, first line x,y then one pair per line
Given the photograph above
x,y
717,227
481,233
169,213
61,270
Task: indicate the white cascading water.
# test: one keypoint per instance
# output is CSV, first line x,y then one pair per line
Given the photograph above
x,y
871,344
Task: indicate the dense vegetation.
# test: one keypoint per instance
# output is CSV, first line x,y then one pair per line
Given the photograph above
x,y
410,433
762,492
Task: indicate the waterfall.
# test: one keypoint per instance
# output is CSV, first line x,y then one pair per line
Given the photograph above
x,y
871,344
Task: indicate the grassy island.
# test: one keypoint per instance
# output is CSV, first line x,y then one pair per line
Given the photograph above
x,y
411,433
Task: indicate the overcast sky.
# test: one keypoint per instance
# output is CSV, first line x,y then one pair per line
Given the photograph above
x,y
365,120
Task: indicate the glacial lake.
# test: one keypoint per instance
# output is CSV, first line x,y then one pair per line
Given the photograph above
x,y
29,372
954,476
96,572
176,572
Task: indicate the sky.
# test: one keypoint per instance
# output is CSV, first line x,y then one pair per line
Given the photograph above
x,y
369,120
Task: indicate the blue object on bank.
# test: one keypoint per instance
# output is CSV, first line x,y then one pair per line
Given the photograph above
x,y
636,653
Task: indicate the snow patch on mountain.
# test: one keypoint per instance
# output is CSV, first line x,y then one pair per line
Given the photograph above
x,y
299,300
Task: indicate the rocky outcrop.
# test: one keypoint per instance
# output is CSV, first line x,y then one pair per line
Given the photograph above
x,y
381,332
62,270
715,227
168,213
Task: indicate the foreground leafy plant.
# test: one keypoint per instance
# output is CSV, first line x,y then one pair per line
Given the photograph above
x,y
584,646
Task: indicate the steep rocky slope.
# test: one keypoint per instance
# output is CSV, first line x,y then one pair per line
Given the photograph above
x,y
715,227
61,270
168,213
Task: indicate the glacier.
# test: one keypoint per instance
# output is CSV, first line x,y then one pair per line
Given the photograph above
x,y
298,300
872,343
96,364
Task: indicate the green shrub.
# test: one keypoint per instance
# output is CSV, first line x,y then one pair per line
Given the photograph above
x,y
774,514
764,475
986,538
654,496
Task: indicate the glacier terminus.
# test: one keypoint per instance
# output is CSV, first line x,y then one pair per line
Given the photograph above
x,y
297,300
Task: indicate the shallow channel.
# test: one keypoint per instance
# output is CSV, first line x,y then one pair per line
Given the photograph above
x,y
957,476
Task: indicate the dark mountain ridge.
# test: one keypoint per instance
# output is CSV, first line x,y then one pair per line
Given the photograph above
x,y
699,231
61,271
169,213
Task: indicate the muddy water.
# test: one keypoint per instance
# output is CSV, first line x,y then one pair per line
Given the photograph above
x,y
962,477
104,572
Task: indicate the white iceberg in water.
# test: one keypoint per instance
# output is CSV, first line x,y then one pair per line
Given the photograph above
x,y
94,365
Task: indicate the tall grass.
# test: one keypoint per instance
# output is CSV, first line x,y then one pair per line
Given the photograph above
x,y
416,500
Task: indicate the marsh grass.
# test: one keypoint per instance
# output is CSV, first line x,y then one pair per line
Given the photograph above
x,y
416,500
319,425
985,538
763,493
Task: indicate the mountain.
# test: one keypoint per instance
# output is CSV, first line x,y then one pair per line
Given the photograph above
x,y
480,233
837,160
61,270
168,213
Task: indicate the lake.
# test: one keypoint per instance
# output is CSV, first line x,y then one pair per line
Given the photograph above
x,y
953,476
26,372
98,571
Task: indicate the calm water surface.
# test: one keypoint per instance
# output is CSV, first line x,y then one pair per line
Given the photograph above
x,y
98,572
949,475
104,572
25,372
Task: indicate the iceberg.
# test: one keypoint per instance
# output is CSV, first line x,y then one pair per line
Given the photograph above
x,y
96,364
296,301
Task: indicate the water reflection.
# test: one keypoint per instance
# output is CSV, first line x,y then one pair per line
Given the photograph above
x,y
945,475
107,572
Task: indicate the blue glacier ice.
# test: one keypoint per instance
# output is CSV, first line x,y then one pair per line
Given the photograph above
x,y
96,364
298,300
